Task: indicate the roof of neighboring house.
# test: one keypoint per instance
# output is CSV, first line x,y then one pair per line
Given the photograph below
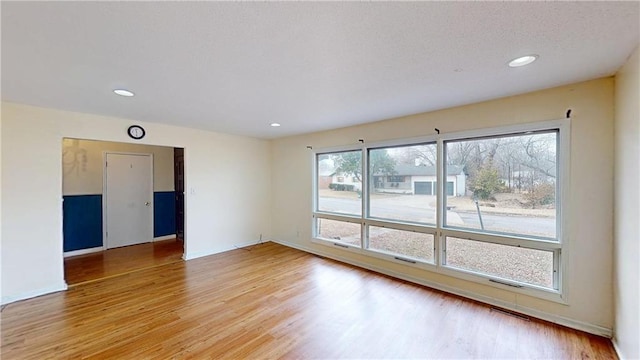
x,y
327,168
404,169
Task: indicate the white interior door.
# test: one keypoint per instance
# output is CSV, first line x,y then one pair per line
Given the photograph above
x,y
128,196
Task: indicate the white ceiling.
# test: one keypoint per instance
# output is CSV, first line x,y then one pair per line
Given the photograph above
x,y
236,67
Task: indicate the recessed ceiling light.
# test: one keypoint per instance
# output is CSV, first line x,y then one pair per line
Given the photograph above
x,y
123,92
274,124
523,60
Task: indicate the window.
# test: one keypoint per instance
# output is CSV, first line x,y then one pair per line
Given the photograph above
x,y
409,245
483,205
394,200
396,179
339,196
338,231
449,190
507,262
511,184
510,188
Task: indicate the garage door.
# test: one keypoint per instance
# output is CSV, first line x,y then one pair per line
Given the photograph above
x,y
423,188
449,188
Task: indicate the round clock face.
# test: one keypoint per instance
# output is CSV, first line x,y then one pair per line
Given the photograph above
x,y
136,132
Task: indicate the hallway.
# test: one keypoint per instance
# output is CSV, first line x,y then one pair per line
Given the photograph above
x,y
123,260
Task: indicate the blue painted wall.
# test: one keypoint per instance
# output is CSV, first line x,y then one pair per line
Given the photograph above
x,y
82,219
164,213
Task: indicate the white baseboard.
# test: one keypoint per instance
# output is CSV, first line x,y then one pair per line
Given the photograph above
x,y
31,294
574,324
191,256
616,347
83,251
200,254
165,237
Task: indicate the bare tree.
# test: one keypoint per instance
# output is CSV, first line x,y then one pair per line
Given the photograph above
x,y
425,154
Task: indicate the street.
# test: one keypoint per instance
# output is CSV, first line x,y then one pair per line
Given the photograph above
x,y
411,210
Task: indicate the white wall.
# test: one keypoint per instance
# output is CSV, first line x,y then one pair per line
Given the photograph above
x,y
627,212
589,255
227,184
1,206
82,164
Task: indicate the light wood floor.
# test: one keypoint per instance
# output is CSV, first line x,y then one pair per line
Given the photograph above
x,y
118,261
274,302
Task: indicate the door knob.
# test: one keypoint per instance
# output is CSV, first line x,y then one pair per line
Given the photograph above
x,y
147,203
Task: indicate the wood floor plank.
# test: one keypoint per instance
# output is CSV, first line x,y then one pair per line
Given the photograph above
x,y
118,261
273,302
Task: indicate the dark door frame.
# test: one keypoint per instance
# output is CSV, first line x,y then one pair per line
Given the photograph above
x,y
178,180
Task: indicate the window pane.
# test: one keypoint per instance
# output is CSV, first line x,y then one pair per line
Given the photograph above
x,y
505,184
402,183
508,262
340,182
338,231
404,243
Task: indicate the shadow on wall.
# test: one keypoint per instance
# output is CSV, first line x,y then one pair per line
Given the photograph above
x,y
74,158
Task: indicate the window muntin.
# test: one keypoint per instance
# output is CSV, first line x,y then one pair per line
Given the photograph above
x,y
339,182
339,231
412,199
408,244
510,185
530,266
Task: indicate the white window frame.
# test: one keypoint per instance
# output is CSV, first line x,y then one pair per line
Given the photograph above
x,y
559,248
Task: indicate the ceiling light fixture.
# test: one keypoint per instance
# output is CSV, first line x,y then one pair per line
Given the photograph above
x,y
274,124
523,60
123,92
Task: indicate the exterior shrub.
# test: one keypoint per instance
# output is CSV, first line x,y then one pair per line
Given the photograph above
x,y
486,183
541,195
341,187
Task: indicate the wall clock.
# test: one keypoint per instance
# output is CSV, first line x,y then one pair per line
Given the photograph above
x,y
136,132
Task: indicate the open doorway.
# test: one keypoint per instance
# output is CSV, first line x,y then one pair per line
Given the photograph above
x,y
119,208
